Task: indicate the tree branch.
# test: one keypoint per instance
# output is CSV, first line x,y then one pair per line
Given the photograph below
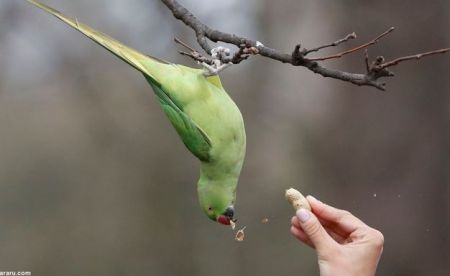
x,y
247,47
365,45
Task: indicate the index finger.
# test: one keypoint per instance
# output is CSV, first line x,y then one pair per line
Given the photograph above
x,y
341,219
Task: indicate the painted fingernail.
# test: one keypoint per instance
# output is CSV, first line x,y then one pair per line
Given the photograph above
x,y
303,215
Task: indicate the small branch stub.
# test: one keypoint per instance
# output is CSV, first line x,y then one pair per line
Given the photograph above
x,y
297,200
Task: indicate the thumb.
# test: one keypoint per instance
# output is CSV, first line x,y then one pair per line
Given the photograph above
x,y
318,236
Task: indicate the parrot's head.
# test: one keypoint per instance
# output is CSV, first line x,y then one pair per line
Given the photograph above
x,y
217,201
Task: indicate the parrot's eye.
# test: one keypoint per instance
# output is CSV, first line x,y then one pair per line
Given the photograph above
x,y
210,209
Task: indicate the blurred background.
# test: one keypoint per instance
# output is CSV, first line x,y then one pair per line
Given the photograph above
x,y
94,180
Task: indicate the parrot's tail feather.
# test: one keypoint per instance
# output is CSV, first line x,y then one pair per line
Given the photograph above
x,y
134,58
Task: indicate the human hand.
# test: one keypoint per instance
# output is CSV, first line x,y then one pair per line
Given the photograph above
x,y
344,244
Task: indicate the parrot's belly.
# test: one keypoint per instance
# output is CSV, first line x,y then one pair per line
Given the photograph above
x,y
221,120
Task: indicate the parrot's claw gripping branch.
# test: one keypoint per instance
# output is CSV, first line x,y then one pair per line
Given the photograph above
x,y
374,71
219,55
220,58
216,68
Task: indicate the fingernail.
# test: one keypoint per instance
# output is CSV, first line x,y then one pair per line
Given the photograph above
x,y
303,215
313,198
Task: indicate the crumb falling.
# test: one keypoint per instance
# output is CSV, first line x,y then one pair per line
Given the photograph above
x,y
232,224
240,235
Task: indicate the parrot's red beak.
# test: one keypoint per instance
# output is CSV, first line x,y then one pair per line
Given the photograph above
x,y
227,216
223,220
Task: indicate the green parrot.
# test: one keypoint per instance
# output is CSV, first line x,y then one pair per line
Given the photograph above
x,y
204,116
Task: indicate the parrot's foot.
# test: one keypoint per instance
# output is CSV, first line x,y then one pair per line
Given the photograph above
x,y
212,70
218,54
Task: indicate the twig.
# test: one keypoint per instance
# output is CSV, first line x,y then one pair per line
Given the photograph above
x,y
336,43
184,44
365,45
377,70
194,54
417,56
366,60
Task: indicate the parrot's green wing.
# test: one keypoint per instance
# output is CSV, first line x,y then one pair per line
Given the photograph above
x,y
195,139
192,135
